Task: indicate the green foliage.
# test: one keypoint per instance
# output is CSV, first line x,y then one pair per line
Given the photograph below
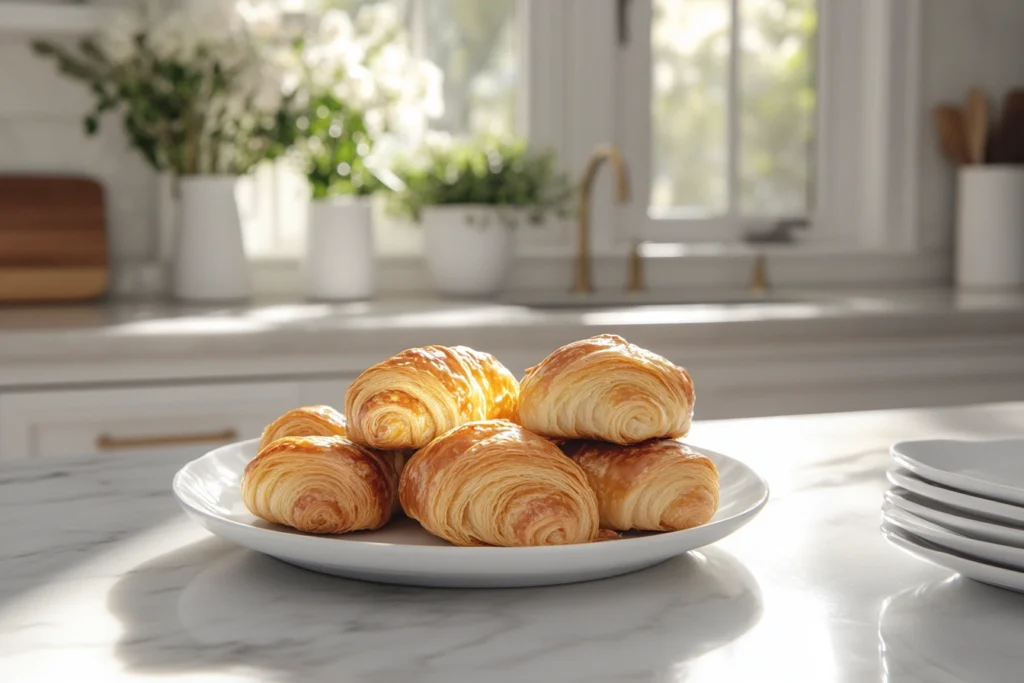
x,y
335,144
502,173
168,110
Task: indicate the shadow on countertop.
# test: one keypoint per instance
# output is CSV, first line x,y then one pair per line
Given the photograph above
x,y
214,608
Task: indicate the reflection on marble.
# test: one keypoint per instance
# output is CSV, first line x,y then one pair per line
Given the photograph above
x,y
102,578
952,631
233,603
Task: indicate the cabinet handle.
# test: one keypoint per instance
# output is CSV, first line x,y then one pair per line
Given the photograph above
x,y
105,442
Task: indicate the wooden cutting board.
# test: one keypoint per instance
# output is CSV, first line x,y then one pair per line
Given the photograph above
x,y
53,239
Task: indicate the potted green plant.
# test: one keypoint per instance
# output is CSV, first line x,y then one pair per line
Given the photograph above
x,y
469,196
197,99
362,94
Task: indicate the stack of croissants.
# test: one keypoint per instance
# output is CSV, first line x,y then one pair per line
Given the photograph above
x,y
584,447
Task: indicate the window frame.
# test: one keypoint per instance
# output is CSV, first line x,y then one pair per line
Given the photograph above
x,y
865,177
579,89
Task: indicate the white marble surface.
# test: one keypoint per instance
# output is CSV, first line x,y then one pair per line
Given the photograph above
x,y
103,579
62,345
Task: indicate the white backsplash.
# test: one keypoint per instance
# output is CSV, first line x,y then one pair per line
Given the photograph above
x,y
41,132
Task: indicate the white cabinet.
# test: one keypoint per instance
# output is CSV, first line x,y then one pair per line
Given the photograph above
x,y
139,419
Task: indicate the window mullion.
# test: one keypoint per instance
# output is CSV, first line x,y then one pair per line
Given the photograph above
x,y
734,107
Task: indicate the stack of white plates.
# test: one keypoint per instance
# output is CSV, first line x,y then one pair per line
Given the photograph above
x,y
960,505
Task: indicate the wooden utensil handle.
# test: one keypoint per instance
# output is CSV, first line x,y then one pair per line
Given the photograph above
x,y
106,442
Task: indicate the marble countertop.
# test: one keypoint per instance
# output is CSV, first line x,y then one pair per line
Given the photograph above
x,y
102,578
38,344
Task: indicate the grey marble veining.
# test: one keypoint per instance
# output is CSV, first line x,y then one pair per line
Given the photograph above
x,y
103,579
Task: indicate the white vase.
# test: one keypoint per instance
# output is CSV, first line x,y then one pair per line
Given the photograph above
x,y
339,249
210,262
990,227
468,249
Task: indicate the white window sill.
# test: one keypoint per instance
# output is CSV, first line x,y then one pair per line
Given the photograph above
x,y
720,266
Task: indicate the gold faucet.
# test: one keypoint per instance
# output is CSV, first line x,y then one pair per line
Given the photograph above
x,y
582,283
635,272
759,282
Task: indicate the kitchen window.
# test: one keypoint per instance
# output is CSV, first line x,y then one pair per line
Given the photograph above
x,y
736,114
476,45
731,114
727,102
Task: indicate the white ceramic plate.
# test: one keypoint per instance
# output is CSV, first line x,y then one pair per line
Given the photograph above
x,y
1006,556
956,520
981,507
402,552
992,469
972,569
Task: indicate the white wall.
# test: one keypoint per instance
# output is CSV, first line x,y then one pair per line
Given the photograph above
x,y
966,43
41,132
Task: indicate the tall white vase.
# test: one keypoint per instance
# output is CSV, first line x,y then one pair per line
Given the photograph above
x,y
990,227
339,249
468,249
210,262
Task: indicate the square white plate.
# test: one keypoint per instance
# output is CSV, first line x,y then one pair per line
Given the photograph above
x,y
992,469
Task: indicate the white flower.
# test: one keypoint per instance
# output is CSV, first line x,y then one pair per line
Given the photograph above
x,y
172,38
432,88
358,88
117,41
378,22
262,18
407,120
335,25
391,68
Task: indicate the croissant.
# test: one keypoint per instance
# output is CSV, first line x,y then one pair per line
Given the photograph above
x,y
494,483
419,394
322,484
307,421
659,485
607,389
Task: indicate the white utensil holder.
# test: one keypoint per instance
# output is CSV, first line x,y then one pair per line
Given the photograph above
x,y
990,227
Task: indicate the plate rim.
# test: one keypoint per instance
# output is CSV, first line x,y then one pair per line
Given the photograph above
x,y
908,501
988,507
933,554
975,485
351,545
903,519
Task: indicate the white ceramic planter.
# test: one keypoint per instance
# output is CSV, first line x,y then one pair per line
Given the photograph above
x,y
209,262
339,249
468,249
990,227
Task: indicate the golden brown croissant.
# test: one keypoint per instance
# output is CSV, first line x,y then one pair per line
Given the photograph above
x,y
494,483
419,394
322,484
607,389
307,421
658,485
